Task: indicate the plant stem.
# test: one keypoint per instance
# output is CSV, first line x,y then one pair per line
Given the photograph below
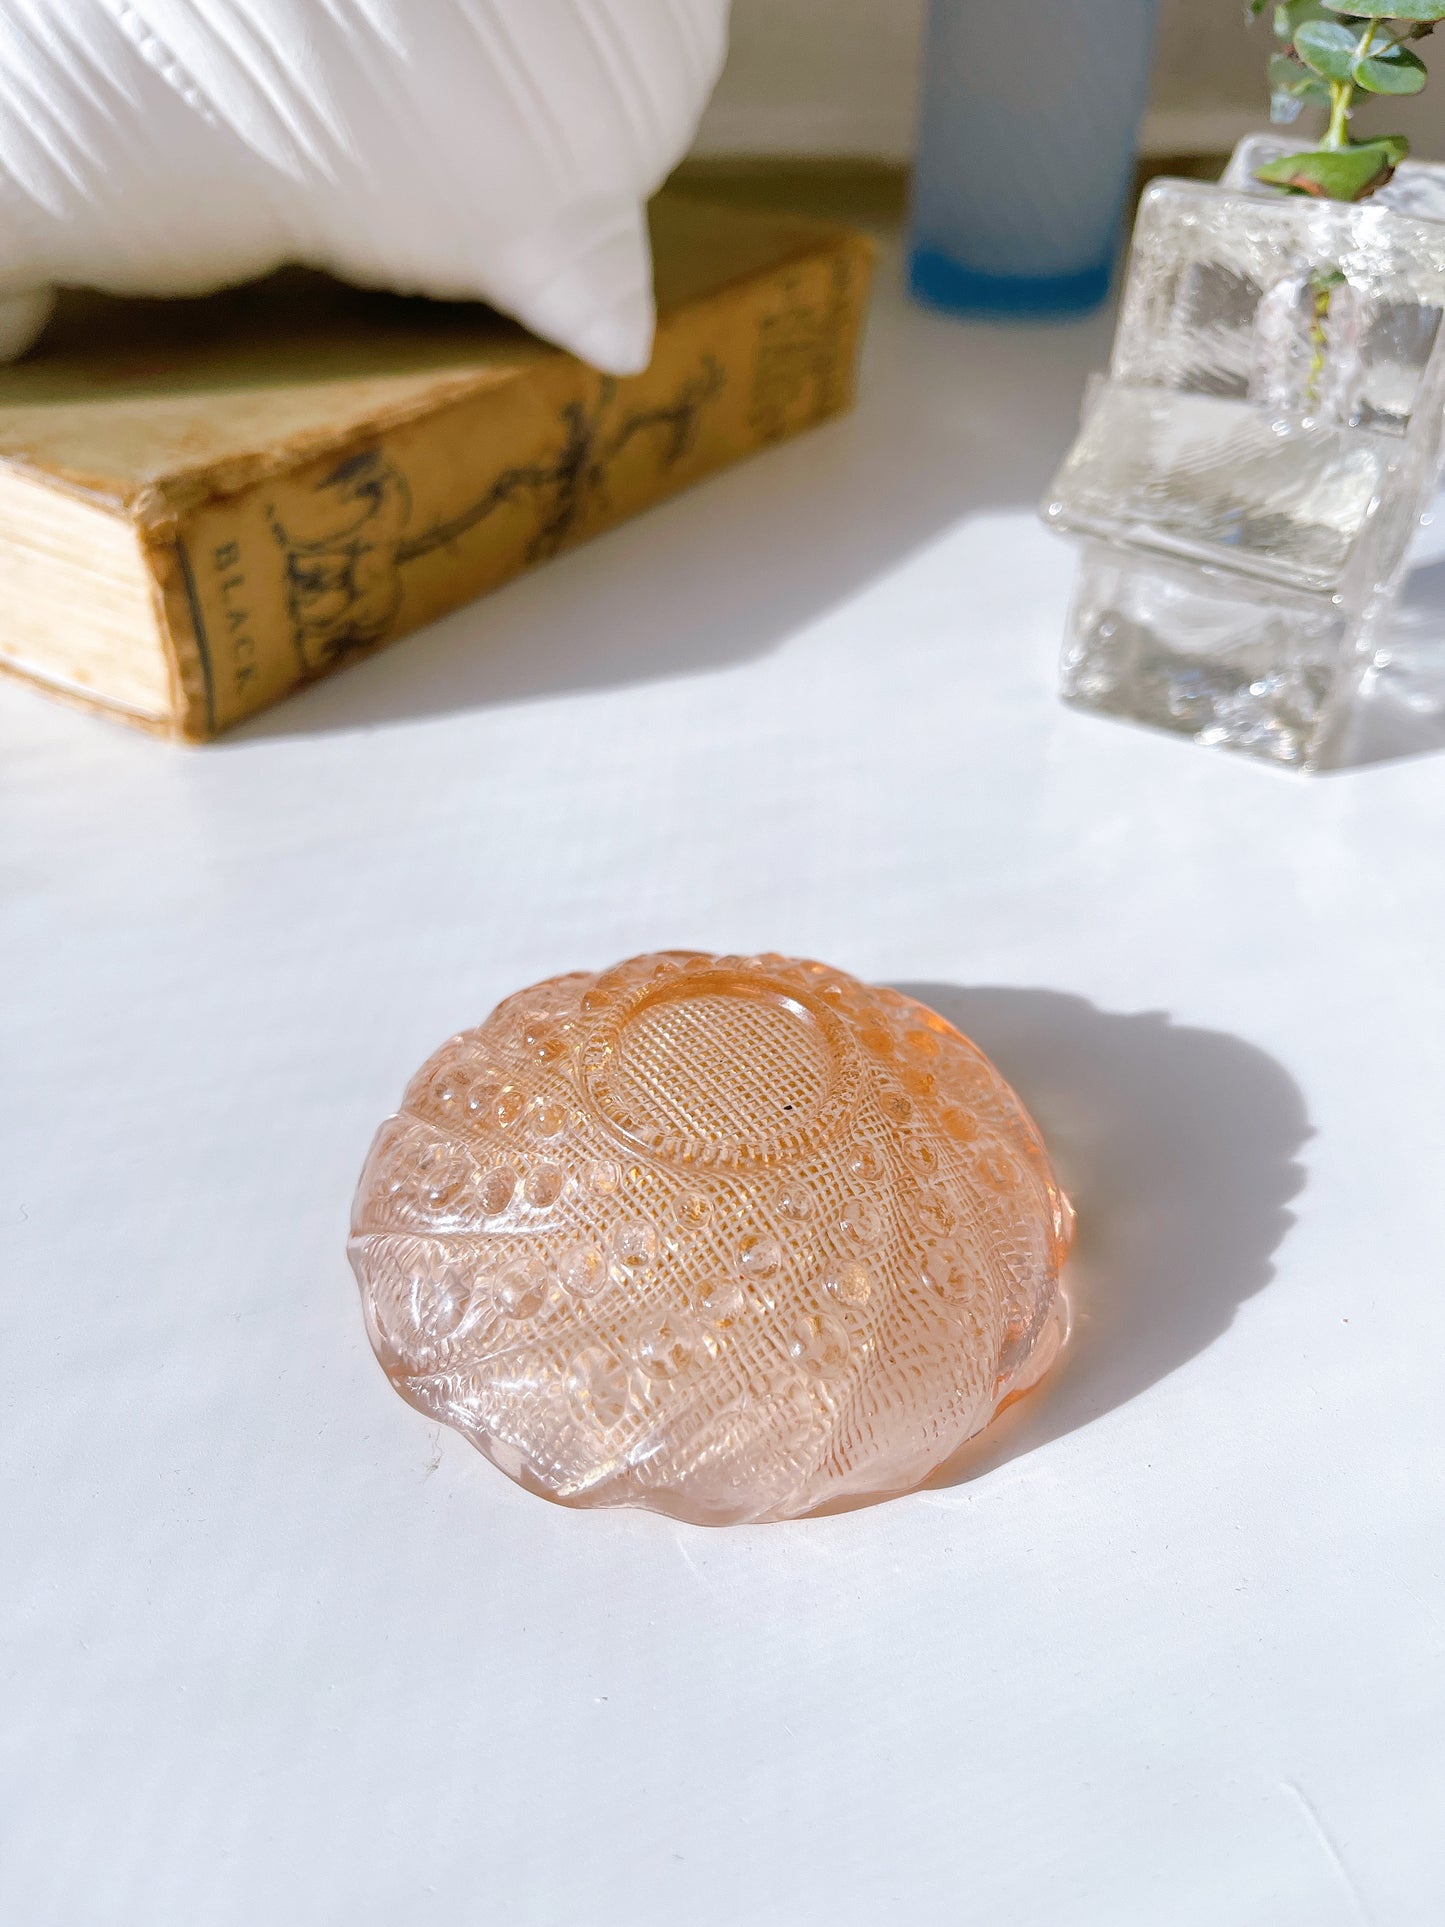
x,y
1323,283
1342,94
1319,340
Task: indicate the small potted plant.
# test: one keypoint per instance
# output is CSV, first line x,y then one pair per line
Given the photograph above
x,y
1250,470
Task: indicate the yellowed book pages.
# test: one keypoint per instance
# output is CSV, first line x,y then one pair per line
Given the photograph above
x,y
234,496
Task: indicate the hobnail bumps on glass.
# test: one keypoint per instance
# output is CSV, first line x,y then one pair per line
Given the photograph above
x,y
733,1238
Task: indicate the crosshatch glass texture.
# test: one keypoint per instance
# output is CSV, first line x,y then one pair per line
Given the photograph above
x,y
732,1238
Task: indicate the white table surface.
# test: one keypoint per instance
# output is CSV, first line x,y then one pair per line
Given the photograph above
x,y
1171,1650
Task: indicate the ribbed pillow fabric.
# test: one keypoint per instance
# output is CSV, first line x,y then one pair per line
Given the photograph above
x,y
496,149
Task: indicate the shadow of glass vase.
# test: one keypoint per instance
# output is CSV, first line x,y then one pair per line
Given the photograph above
x,y
1249,474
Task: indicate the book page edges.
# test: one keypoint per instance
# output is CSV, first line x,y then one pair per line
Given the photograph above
x,y
78,607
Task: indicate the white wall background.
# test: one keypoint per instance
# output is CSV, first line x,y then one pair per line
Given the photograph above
x,y
838,76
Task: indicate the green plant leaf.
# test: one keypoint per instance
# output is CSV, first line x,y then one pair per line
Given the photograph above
x,y
1291,15
1287,72
1328,46
1292,86
1396,72
1412,10
1342,174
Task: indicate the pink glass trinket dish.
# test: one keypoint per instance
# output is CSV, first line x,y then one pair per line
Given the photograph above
x,y
731,1238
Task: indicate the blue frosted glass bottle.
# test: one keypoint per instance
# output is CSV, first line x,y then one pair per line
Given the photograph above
x,y
1029,117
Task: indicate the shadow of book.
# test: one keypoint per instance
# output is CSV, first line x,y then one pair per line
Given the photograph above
x,y
1179,1149
733,570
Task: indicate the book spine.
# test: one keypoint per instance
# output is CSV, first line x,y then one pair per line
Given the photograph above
x,y
322,562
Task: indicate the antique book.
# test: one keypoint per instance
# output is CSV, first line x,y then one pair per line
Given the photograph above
x,y
205,503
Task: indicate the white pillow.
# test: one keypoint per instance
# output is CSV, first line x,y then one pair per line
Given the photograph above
x,y
498,149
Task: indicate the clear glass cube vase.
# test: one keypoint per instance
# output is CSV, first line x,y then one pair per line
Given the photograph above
x,y
1248,474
